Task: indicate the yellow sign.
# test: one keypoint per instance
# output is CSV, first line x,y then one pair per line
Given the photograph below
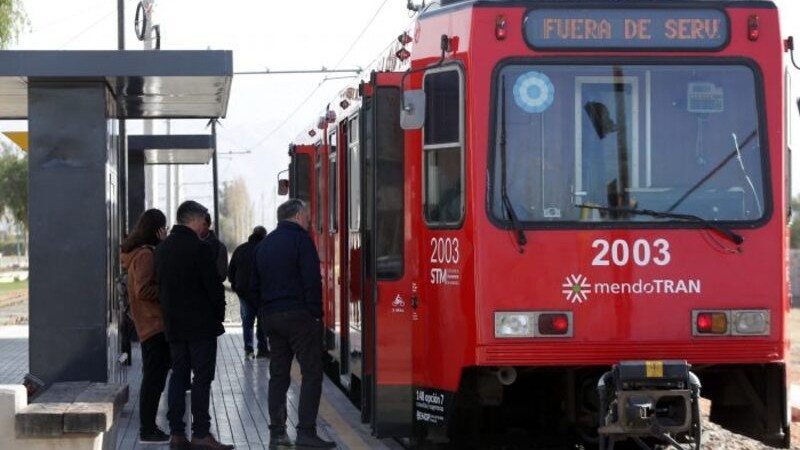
x,y
18,137
655,369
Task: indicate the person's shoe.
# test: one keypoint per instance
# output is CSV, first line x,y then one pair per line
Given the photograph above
x,y
178,442
262,354
153,437
209,443
279,441
312,440
248,354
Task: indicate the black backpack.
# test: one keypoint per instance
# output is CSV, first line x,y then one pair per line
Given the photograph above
x,y
121,285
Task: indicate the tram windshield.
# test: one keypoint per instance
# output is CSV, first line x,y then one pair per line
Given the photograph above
x,y
585,143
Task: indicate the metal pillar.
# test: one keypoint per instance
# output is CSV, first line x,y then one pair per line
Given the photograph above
x,y
74,228
216,177
136,187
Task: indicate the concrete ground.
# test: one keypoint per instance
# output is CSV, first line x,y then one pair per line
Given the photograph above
x,y
238,403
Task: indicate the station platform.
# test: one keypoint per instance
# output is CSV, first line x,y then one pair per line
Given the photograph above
x,y
238,399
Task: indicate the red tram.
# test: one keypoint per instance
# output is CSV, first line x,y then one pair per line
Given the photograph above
x,y
563,217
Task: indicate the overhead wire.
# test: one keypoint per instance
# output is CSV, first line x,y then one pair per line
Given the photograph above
x,y
290,116
57,22
361,34
90,27
314,91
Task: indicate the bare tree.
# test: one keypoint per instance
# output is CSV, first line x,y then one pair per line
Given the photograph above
x,y
235,212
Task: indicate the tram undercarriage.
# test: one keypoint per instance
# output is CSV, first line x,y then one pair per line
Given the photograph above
x,y
559,407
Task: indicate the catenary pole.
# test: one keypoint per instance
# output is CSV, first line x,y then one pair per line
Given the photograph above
x,y
215,174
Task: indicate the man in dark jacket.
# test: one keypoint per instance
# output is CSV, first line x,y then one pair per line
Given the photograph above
x,y
193,304
239,272
218,249
286,281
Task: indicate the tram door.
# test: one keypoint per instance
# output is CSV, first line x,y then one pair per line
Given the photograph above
x,y
333,273
351,262
388,260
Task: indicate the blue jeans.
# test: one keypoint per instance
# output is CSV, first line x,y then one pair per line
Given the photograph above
x,y
248,314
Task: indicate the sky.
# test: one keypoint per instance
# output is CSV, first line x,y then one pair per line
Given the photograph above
x,y
297,34
266,112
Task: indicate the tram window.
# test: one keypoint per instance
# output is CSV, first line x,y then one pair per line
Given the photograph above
x,y
389,185
354,176
302,178
444,150
673,138
333,204
318,169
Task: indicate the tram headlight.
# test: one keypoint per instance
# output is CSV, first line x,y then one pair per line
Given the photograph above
x,y
751,322
513,324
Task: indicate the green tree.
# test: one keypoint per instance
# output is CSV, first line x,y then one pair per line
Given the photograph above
x,y
12,21
14,186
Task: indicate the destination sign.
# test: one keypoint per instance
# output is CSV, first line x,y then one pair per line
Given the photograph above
x,y
700,29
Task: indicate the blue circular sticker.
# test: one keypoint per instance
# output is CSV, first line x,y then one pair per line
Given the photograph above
x,y
534,92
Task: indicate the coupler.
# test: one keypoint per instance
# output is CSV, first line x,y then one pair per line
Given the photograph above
x,y
650,403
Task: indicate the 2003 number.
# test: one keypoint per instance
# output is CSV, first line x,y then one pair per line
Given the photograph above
x,y
641,252
445,251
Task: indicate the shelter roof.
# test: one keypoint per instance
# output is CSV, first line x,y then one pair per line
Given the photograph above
x,y
164,84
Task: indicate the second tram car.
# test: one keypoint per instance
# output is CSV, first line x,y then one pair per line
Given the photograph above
x,y
563,216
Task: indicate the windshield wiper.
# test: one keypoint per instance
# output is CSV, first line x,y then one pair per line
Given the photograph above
x,y
716,169
730,235
521,239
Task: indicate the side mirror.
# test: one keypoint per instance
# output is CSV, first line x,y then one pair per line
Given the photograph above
x,y
412,114
283,186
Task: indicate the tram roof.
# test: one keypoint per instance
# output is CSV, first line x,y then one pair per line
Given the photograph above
x,y
152,84
443,4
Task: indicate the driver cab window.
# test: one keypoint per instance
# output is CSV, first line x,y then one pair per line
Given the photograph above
x,y
444,149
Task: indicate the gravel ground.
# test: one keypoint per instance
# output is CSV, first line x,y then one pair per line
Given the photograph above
x,y
715,437
718,438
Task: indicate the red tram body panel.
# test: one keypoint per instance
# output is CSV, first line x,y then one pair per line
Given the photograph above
x,y
587,184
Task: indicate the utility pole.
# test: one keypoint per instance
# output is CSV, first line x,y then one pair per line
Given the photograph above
x,y
121,24
169,187
215,176
151,172
122,144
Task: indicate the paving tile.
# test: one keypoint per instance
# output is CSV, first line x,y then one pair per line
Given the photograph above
x,y
239,411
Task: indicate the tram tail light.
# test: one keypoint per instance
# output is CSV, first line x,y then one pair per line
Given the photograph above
x,y
533,324
553,324
404,39
752,28
402,54
500,28
710,322
731,322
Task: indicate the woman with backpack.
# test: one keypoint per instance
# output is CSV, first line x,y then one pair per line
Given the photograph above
x,y
137,259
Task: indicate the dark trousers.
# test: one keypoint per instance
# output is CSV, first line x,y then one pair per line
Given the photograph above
x,y
198,357
155,367
294,334
248,313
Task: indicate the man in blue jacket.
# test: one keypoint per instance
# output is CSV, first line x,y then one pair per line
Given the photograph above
x,y
286,281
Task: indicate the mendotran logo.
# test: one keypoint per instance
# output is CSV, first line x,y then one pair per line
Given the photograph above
x,y
576,288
